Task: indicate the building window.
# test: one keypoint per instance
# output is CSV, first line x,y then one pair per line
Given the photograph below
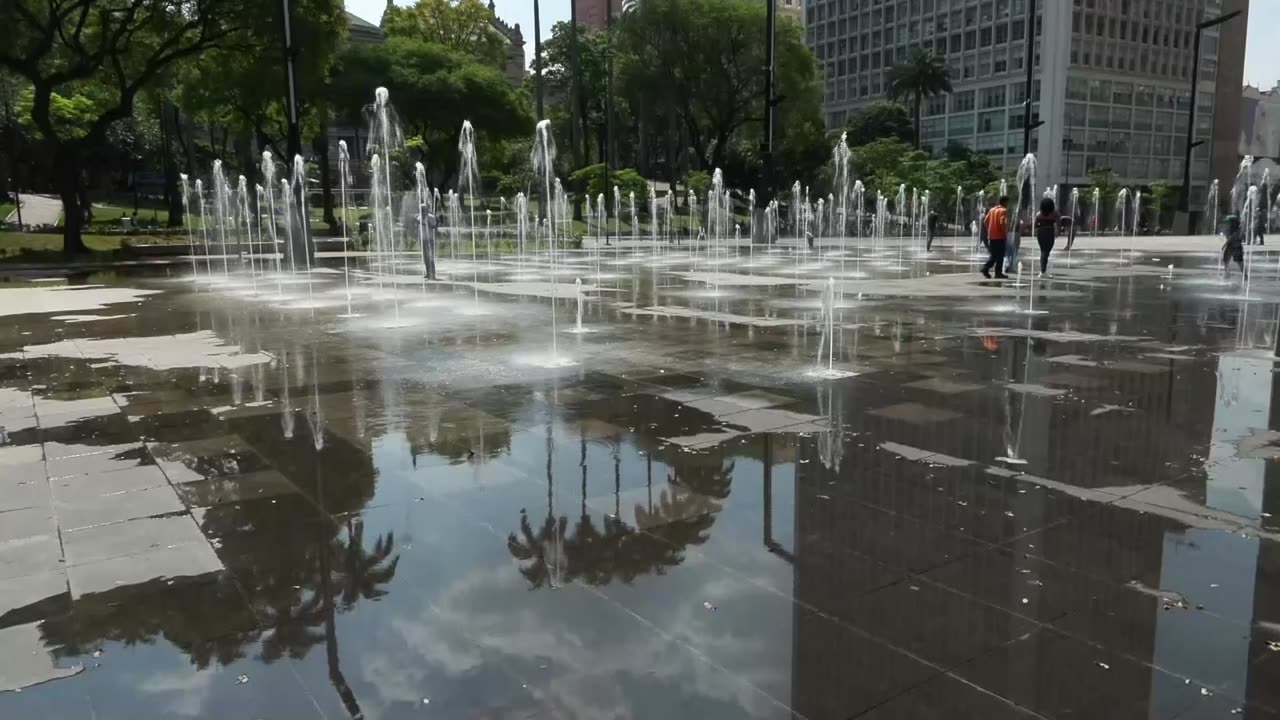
x,y
991,121
962,101
993,97
960,125
1122,94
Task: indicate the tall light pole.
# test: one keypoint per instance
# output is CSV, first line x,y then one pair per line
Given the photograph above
x,y
608,114
537,59
1184,206
765,196
291,99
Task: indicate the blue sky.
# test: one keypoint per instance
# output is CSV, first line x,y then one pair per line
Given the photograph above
x,y
1262,54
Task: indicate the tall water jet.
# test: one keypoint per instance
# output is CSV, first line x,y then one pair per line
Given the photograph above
x,y
543,162
344,179
469,177
1097,211
826,345
840,163
204,230
1122,209
268,168
221,210
1211,208
242,216
385,141
299,190
1025,209
1072,229
1240,189
186,214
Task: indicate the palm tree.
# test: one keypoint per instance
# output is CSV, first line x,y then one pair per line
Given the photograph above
x,y
922,75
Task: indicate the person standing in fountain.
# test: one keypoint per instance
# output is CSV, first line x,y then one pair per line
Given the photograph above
x,y
427,239
930,229
1046,227
997,223
1259,225
1233,248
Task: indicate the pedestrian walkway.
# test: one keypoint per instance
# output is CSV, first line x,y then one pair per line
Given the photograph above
x,y
37,210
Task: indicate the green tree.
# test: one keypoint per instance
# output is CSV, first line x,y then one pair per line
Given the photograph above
x,y
109,51
698,183
922,75
433,90
690,69
592,77
627,180
464,26
1161,193
886,164
1103,180
227,88
877,121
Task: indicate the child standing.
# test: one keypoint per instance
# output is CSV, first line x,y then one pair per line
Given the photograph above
x,y
1233,248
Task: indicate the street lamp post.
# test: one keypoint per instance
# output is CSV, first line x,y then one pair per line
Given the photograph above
x,y
765,196
1184,206
1030,61
608,119
537,59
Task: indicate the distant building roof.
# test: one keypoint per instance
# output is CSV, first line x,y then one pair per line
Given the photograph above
x,y
363,31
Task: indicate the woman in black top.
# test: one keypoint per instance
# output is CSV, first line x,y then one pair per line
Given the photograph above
x,y
1046,227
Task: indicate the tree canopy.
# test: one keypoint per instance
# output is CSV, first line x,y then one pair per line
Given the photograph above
x,y
433,89
108,51
463,26
690,69
922,75
879,120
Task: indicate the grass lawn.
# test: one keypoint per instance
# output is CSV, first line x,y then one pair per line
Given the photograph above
x,y
42,247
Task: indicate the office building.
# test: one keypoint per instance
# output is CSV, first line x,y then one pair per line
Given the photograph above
x,y
1111,78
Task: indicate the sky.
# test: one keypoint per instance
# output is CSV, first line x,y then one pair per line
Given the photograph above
x,y
1262,53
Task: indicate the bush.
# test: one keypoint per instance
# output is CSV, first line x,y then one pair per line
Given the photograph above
x,y
627,180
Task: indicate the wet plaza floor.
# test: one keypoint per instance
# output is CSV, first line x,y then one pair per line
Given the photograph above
x,y
218,504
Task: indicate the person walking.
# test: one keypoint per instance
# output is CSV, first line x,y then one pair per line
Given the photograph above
x,y
1046,229
997,223
1233,247
427,239
930,229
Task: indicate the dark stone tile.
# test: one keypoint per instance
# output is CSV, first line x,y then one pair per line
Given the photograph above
x,y
946,696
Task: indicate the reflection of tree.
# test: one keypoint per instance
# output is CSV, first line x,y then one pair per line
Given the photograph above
x,y
682,515
365,573
539,552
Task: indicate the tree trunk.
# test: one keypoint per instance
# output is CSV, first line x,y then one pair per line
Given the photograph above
x,y
321,147
173,195
67,176
917,109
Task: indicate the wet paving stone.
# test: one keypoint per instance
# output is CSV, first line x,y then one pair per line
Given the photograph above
x,y
222,506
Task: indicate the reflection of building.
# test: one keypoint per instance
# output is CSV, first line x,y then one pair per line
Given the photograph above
x,y
1111,84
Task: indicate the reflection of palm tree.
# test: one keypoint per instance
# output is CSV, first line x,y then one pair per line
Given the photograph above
x,y
541,553
365,573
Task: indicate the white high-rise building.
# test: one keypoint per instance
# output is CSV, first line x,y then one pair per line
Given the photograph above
x,y
1111,78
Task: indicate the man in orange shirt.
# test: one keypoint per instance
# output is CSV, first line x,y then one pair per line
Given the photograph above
x,y
997,221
